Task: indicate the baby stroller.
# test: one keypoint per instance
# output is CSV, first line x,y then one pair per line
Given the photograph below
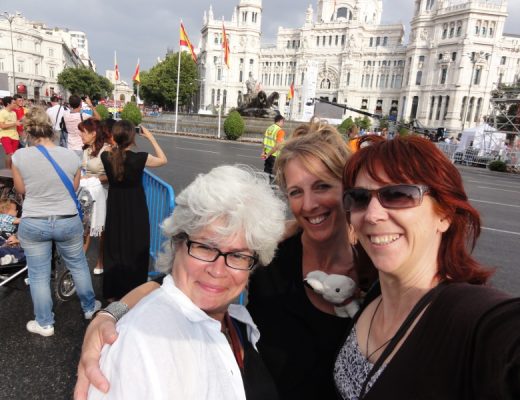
x,y
12,273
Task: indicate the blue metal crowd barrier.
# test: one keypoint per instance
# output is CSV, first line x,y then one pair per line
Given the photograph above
x,y
160,199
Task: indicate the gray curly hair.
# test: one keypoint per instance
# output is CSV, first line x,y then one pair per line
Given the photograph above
x,y
236,199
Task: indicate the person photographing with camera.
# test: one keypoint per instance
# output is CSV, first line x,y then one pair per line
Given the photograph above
x,y
127,228
72,120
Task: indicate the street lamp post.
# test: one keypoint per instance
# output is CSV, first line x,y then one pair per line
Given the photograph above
x,y
10,18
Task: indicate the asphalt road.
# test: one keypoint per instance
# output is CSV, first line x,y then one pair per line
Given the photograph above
x,y
34,367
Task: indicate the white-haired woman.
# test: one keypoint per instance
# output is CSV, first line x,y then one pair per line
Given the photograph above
x,y
186,340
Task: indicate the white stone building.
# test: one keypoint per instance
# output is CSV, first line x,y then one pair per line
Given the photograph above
x,y
39,54
456,51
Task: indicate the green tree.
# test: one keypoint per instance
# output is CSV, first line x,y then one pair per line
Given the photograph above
x,y
85,82
102,111
345,126
384,122
131,113
363,122
159,84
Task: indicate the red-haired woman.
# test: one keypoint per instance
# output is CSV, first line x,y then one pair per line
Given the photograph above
x,y
95,142
431,328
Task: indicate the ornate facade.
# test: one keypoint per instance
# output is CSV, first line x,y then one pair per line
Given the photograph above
x,y
39,54
455,55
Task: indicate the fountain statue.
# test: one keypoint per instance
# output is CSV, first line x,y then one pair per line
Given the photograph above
x,y
256,103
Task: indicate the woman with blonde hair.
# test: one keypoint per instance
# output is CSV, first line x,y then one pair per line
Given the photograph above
x,y
47,174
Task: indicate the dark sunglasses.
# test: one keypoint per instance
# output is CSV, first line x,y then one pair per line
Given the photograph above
x,y
391,196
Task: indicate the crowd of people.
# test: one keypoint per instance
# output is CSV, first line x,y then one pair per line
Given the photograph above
x,y
391,214
52,152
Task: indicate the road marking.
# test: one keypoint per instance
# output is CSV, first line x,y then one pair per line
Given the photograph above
x,y
503,190
253,157
204,151
500,230
492,202
495,181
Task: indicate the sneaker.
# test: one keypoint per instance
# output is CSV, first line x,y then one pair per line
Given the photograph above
x,y
34,327
98,271
90,314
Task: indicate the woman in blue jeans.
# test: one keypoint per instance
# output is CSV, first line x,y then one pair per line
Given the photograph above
x,y
49,214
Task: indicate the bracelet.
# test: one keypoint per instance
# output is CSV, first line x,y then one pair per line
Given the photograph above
x,y
103,312
116,309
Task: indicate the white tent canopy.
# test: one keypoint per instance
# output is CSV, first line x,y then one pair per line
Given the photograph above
x,y
483,137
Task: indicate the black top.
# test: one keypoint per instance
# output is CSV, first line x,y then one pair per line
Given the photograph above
x,y
466,346
298,342
127,228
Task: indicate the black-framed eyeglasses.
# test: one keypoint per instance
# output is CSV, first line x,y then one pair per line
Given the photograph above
x,y
391,196
233,259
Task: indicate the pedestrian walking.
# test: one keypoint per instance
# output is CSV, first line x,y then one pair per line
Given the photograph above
x,y
8,129
56,112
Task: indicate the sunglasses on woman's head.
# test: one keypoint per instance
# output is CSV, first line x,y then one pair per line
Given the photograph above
x,y
391,196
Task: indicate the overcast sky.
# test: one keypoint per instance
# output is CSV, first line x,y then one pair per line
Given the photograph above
x,y
145,29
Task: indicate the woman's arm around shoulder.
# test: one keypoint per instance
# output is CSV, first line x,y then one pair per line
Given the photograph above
x,y
101,331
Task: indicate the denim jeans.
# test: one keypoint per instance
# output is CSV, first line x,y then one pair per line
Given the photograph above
x,y
36,236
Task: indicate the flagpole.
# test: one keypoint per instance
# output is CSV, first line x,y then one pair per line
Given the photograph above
x,y
115,84
220,88
178,80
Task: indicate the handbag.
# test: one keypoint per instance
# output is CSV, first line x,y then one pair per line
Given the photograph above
x,y
66,181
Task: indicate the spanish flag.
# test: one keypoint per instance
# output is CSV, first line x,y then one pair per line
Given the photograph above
x,y
116,68
185,42
225,45
136,78
290,95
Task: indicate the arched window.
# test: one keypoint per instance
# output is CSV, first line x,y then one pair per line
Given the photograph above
x,y
418,78
470,109
325,84
342,12
478,110
463,107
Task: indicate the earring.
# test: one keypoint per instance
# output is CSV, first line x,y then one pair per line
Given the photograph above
x,y
352,237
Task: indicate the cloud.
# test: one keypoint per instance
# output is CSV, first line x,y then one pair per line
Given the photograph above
x,y
145,30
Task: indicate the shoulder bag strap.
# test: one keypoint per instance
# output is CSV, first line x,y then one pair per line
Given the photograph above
x,y
57,115
419,307
64,178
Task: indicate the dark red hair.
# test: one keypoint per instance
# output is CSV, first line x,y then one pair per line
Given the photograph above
x,y
412,159
93,125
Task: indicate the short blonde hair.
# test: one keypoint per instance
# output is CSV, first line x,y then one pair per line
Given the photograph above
x,y
37,123
4,205
313,141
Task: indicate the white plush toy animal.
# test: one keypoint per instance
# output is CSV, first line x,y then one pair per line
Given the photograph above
x,y
336,289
